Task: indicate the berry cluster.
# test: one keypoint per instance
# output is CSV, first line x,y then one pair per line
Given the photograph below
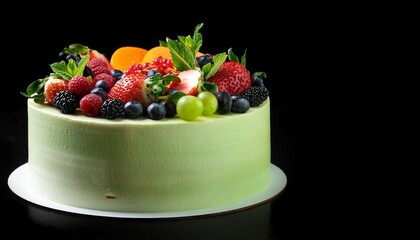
x,y
190,85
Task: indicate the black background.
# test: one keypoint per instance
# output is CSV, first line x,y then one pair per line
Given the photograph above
x,y
342,81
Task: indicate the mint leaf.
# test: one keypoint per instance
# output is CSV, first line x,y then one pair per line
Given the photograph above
x,y
182,57
209,87
60,68
35,90
218,60
81,66
198,38
76,48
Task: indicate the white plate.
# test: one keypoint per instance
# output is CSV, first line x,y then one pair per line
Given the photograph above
x,y
19,179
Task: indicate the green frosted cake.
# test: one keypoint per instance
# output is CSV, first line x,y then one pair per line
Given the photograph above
x,y
187,130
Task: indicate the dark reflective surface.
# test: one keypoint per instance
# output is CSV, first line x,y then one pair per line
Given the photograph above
x,y
342,80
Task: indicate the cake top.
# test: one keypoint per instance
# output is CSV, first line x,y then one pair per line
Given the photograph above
x,y
171,80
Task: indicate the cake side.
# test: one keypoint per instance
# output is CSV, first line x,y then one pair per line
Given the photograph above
x,y
146,165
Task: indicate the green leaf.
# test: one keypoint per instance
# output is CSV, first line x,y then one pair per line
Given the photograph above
x,y
60,68
209,87
232,56
163,43
182,57
243,59
206,69
35,90
218,60
170,78
71,67
197,35
175,96
76,48
260,74
81,66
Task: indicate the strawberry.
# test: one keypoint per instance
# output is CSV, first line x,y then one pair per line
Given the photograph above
x,y
188,84
80,85
96,54
232,77
53,86
132,87
98,66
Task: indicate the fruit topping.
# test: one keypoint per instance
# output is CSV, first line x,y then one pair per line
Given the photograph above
x,y
66,102
232,77
171,80
156,111
188,83
255,95
112,108
239,104
133,109
90,105
124,57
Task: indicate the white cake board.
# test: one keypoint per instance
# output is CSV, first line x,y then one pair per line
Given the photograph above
x,y
19,179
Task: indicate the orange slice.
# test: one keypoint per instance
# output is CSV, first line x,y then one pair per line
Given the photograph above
x,y
126,56
155,52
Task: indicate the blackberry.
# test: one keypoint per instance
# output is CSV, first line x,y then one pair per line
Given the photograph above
x,y
255,95
66,102
112,108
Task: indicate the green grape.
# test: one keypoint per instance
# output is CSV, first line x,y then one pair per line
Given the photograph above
x,y
189,107
209,103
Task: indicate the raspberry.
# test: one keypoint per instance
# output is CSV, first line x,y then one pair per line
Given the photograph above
x,y
80,86
91,104
98,66
108,78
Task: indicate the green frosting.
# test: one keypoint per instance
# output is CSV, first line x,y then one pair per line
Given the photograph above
x,y
145,165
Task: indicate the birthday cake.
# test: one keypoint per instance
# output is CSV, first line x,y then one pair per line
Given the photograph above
x,y
165,129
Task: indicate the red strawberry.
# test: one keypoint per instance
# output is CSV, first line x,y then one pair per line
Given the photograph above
x,y
132,87
80,85
90,104
188,84
53,86
98,66
106,77
232,77
95,54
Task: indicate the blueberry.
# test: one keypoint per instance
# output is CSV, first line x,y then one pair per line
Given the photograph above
x,y
62,55
224,101
102,84
73,56
257,81
156,111
239,105
170,109
133,109
117,74
152,73
204,59
101,92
